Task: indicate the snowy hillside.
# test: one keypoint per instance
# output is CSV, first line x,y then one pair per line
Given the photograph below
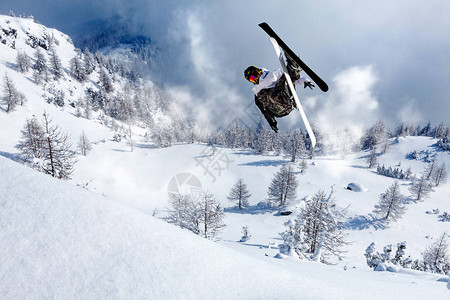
x,y
102,234
59,240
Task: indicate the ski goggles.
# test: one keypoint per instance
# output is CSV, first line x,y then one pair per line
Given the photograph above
x,y
254,78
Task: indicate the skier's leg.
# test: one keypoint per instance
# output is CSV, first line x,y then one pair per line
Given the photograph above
x,y
292,67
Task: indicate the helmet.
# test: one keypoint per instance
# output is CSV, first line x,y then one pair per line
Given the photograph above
x,y
252,74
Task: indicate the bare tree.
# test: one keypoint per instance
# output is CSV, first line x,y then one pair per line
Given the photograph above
x,y
440,175
211,217
430,169
240,194
420,188
391,204
58,158
11,96
55,63
203,217
84,145
436,256
283,187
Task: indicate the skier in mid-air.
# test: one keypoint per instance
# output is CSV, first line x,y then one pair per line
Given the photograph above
x,y
272,94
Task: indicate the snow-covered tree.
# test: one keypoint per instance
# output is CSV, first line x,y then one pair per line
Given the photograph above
x,y
372,158
245,235
431,168
55,64
440,175
203,217
283,188
84,145
375,136
436,256
420,188
89,62
295,144
391,205
40,66
105,81
57,157
77,69
23,62
32,137
240,194
317,231
210,221
303,166
11,96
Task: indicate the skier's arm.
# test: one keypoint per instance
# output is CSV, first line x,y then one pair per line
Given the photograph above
x,y
306,82
269,117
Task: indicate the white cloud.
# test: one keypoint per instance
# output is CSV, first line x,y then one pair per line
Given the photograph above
x,y
410,113
350,105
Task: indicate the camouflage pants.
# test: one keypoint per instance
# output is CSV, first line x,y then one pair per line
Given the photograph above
x,y
278,100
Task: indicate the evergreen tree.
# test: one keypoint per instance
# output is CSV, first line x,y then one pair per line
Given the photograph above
x,y
240,194
23,62
391,204
283,188
11,96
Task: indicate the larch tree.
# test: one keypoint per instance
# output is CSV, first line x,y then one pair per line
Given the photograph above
x,y
391,204
240,194
58,158
11,96
283,188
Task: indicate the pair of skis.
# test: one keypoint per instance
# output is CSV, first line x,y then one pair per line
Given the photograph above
x,y
279,45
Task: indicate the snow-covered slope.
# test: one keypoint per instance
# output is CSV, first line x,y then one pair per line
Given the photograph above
x,y
61,241
58,240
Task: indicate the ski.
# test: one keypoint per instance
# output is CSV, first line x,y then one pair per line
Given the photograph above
x,y
293,92
314,77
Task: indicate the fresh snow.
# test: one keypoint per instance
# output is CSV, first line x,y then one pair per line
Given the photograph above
x,y
107,240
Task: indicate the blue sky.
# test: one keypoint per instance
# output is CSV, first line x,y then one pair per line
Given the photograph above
x,y
381,59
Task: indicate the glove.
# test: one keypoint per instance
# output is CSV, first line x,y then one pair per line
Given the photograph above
x,y
308,84
274,127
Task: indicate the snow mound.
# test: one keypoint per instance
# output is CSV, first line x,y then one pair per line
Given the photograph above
x,y
356,187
